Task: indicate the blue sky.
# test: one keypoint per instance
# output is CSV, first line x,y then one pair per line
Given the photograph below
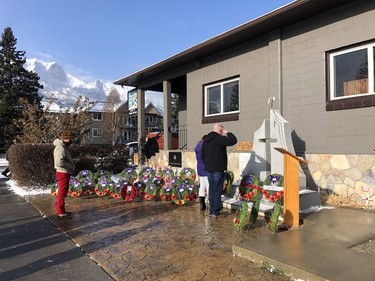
x,y
110,39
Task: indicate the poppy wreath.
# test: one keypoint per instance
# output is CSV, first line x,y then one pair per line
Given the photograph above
x,y
276,211
85,174
88,186
116,188
188,176
167,174
86,178
153,187
277,181
188,173
250,188
250,191
192,188
100,174
276,197
75,187
158,181
165,191
129,192
140,185
180,191
228,181
194,192
129,175
148,190
103,186
241,216
146,171
54,189
145,175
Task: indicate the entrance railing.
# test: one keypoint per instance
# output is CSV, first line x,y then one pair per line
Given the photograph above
x,y
182,137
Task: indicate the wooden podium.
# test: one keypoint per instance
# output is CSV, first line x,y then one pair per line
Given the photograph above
x,y
291,187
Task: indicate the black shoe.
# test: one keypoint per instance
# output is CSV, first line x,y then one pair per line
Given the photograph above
x,y
202,201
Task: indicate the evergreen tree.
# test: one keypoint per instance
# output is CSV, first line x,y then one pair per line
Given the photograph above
x,y
16,84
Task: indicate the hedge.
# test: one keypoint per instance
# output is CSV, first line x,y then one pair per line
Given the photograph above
x,y
31,165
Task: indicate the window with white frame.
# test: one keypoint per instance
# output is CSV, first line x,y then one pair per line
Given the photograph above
x,y
149,120
221,97
352,72
95,132
127,135
97,116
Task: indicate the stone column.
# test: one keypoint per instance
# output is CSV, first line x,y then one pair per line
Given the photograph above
x,y
167,118
141,125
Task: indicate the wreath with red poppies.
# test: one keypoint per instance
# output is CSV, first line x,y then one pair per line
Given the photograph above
x,y
129,192
276,196
165,191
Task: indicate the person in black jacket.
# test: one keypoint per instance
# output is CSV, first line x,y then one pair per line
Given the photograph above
x,y
215,160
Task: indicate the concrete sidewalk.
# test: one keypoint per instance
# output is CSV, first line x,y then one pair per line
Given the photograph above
x,y
34,249
333,244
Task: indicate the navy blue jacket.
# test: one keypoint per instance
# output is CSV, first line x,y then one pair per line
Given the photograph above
x,y
214,151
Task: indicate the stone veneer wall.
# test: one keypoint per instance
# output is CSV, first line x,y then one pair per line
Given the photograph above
x,y
344,175
189,161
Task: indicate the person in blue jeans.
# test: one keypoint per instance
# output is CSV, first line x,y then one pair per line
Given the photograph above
x,y
215,160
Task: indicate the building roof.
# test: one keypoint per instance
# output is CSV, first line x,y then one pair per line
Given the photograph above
x,y
289,14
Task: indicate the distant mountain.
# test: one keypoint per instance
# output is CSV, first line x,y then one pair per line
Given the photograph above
x,y
66,88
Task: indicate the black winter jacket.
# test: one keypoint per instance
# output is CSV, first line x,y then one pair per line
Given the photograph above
x,y
214,151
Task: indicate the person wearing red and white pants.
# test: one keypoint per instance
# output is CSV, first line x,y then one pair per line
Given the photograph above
x,y
65,167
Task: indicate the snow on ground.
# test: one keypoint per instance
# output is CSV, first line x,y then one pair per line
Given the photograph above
x,y
25,191
22,191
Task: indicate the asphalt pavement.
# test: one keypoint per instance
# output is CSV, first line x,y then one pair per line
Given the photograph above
x,y
32,248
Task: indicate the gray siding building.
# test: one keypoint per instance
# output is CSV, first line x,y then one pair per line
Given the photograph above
x,y
316,58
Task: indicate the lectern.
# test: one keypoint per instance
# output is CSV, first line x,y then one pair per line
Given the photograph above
x,y
291,187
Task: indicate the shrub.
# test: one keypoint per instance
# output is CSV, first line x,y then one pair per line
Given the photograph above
x,y
32,164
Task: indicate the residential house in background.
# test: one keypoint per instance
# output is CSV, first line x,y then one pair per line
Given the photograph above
x,y
97,132
120,124
129,128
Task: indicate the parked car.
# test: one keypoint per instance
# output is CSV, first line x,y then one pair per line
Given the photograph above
x,y
133,147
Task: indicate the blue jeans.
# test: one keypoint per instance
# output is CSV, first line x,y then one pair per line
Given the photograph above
x,y
216,181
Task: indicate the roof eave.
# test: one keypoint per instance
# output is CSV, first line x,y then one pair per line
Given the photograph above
x,y
286,15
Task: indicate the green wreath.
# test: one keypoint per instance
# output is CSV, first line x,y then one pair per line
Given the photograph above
x,y
228,181
188,173
241,216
